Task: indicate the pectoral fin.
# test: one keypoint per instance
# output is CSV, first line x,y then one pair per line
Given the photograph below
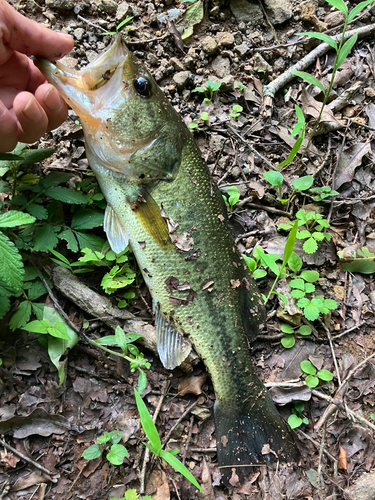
x,y
116,233
172,347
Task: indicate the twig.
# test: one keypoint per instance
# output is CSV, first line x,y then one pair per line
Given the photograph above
x,y
325,159
331,408
150,40
319,470
355,327
147,452
268,21
186,412
175,487
315,443
272,210
25,458
188,439
90,23
270,90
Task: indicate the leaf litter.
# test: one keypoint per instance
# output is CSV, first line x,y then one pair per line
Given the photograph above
x,y
55,425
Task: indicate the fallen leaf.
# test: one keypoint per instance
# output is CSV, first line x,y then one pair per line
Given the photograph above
x,y
350,159
206,484
342,462
192,385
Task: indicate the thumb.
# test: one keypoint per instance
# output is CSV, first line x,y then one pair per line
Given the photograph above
x,y
29,37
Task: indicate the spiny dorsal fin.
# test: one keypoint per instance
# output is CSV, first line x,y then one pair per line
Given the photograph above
x,y
172,347
117,236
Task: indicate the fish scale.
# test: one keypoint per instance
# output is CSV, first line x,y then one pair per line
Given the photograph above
x,y
164,204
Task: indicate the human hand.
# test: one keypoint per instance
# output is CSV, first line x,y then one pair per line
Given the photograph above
x,y
29,106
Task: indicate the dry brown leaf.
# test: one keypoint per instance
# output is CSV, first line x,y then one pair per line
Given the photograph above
x,y
157,486
192,385
350,159
206,484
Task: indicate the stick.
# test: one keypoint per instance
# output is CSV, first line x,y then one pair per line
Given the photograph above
x,y
25,458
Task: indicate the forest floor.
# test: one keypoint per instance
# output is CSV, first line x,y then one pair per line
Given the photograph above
x,y
233,42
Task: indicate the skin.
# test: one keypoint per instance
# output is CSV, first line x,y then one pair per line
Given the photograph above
x,y
29,106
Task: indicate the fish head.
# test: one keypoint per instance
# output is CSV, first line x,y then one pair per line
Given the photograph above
x,y
129,125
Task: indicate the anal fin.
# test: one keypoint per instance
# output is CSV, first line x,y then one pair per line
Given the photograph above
x,y
117,236
173,349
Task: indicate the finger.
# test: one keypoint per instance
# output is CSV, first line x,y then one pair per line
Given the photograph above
x,y
53,105
8,130
31,116
30,38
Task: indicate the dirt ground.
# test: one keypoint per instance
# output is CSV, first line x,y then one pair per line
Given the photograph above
x,y
51,426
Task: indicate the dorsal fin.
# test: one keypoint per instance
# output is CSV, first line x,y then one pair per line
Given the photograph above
x,y
116,233
172,347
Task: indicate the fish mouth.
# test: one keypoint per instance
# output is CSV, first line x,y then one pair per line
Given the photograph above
x,y
78,88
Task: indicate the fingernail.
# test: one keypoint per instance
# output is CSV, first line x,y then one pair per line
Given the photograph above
x,y
52,100
32,111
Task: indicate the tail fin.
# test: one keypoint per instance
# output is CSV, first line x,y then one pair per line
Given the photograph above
x,y
249,434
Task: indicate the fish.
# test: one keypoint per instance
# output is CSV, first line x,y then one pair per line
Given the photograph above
x,y
164,205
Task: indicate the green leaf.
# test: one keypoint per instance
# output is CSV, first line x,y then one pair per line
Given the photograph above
x,y
340,5
294,151
58,330
310,276
288,341
11,266
251,264
30,156
36,290
91,241
142,382
325,375
303,183
308,367
55,178
85,218
117,454
330,304
345,49
294,421
304,330
312,476
38,308
297,294
311,381
285,328
121,339
71,241
274,178
321,36
310,311
37,211
318,236
310,79
234,195
92,452
45,238
9,157
37,326
309,288
269,260
57,347
199,89
297,283
290,245
179,467
259,273
285,227
4,306
66,195
147,424
357,9
282,297
21,316
310,246
205,116
15,218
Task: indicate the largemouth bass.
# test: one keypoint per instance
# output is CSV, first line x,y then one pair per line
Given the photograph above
x,y
163,203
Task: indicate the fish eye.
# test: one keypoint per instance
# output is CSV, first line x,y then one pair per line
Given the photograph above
x,y
142,86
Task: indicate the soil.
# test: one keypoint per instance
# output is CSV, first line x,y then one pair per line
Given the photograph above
x,y
51,426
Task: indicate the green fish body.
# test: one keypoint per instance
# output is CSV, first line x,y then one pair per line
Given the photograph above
x,y
164,204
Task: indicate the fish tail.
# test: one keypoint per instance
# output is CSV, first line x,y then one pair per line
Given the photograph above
x,y
249,434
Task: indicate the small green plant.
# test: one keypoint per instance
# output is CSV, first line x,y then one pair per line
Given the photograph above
x,y
276,179
296,418
237,110
372,415
342,51
154,444
299,130
132,494
314,229
129,352
233,195
255,262
119,27
323,192
313,375
108,442
209,89
204,118
289,340
241,87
